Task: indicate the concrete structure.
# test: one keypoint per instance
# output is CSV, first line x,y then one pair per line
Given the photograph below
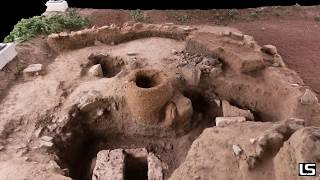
x,y
56,5
7,53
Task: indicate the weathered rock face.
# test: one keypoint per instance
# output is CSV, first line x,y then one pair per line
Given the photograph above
x,y
214,149
220,150
302,147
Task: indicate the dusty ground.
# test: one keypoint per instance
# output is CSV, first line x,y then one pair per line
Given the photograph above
x,y
293,30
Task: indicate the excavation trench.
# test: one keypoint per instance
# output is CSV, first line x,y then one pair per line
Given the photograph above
x,y
165,105
79,152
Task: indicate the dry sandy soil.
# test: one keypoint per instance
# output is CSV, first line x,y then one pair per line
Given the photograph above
x,y
53,125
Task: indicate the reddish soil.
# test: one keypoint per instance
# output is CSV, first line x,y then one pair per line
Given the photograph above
x,y
293,30
298,43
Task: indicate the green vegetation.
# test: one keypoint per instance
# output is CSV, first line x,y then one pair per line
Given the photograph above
x,y
184,18
233,13
26,29
254,14
138,15
317,18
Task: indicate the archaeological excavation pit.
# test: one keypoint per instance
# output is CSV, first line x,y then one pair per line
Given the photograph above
x,y
189,81
110,66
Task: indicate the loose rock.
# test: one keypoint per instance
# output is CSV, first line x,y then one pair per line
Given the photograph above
x,y
96,70
46,138
131,53
308,98
236,149
33,69
269,49
226,121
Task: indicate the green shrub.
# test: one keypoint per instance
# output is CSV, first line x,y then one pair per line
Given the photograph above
x,y
26,29
317,18
233,13
254,14
138,15
184,18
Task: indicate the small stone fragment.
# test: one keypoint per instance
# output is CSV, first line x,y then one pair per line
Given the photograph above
x,y
38,132
46,138
33,69
215,71
236,149
226,121
308,98
269,49
99,112
96,70
131,53
173,51
218,102
46,144
233,111
236,35
253,140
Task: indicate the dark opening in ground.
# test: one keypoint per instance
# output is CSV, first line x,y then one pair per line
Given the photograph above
x,y
144,81
200,103
111,66
136,168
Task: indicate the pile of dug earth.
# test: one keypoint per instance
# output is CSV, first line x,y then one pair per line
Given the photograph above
x,y
146,101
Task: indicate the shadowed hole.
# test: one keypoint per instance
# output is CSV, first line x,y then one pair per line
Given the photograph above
x,y
136,168
144,81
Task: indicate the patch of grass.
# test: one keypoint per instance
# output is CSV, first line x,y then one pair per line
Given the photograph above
x,y
254,14
317,18
20,67
184,18
233,13
138,16
27,29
